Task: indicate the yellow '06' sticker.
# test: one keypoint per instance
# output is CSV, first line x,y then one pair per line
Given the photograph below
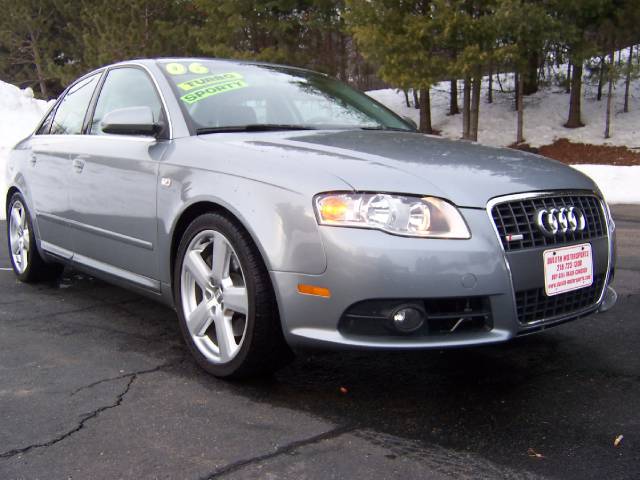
x,y
175,68
215,89
200,82
198,68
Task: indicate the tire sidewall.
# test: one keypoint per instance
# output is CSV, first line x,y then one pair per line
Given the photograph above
x,y
219,223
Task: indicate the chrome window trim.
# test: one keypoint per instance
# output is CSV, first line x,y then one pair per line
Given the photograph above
x,y
552,193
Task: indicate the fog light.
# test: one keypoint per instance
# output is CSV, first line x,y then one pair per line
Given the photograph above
x,y
407,319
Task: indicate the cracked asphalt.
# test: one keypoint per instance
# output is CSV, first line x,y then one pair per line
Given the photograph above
x,y
96,383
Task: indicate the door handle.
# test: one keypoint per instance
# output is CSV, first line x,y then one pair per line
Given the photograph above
x,y
78,165
33,159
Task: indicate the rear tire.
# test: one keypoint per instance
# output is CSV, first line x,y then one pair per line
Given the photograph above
x,y
225,302
25,258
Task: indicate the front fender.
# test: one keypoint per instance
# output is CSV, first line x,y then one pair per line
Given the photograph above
x,y
280,221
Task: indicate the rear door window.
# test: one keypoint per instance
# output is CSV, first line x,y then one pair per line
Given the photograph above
x,y
69,116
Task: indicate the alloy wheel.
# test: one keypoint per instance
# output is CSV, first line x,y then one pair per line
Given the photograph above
x,y
214,296
19,236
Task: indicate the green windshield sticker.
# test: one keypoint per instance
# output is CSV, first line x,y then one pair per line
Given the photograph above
x,y
197,83
205,92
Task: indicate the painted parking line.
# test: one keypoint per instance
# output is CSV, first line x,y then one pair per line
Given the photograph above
x,y
7,269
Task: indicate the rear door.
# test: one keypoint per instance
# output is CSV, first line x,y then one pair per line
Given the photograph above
x,y
49,169
113,185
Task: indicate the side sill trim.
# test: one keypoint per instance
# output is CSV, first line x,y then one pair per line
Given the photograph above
x,y
140,280
55,250
136,242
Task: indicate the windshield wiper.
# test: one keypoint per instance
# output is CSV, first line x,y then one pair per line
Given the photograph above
x,y
391,129
258,127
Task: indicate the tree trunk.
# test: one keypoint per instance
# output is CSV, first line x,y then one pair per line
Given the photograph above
x,y
453,97
37,61
499,82
607,126
520,115
406,97
466,107
601,78
530,83
575,101
490,88
568,86
416,101
425,111
516,87
474,118
627,81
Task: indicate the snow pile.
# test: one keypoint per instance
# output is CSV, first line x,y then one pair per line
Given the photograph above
x,y
19,115
544,115
618,184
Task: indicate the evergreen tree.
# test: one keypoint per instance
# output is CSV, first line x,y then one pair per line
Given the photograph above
x,y
105,32
28,39
580,20
526,30
401,38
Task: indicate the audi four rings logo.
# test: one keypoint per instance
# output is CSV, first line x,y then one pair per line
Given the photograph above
x,y
552,221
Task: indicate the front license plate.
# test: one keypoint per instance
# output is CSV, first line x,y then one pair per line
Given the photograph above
x,y
567,268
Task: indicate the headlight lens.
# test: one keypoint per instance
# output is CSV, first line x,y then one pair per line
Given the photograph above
x,y
413,216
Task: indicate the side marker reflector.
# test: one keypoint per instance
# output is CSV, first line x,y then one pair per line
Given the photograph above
x,y
313,290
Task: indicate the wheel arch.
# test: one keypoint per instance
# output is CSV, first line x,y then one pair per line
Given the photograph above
x,y
10,192
201,207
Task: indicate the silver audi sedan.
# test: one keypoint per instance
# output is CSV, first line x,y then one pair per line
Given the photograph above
x,y
276,209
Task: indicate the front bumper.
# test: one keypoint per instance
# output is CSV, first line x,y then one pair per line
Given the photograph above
x,y
368,264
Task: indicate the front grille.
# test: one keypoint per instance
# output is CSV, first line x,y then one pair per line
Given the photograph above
x,y
518,217
534,304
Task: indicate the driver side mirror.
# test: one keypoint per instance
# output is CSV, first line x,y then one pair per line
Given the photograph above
x,y
130,121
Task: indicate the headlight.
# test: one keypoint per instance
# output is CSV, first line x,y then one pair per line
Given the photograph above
x,y
399,214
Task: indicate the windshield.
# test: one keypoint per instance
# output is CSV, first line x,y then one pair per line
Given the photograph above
x,y
219,95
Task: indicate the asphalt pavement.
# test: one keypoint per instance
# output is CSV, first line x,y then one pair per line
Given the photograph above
x,y
95,382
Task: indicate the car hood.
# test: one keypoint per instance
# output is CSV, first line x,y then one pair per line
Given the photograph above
x,y
466,173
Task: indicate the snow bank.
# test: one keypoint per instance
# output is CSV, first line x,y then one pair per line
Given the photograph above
x,y
19,115
544,116
618,184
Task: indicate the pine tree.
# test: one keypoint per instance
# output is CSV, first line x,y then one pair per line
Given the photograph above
x,y
580,20
401,38
27,42
526,30
105,32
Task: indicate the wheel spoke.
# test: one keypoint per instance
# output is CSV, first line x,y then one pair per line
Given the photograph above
x,y
23,258
16,218
224,334
200,319
198,269
25,240
220,259
235,298
15,244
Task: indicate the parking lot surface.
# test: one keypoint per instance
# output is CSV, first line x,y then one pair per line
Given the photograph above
x,y
96,383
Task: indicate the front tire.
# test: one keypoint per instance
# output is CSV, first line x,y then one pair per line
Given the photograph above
x,y
26,261
225,302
